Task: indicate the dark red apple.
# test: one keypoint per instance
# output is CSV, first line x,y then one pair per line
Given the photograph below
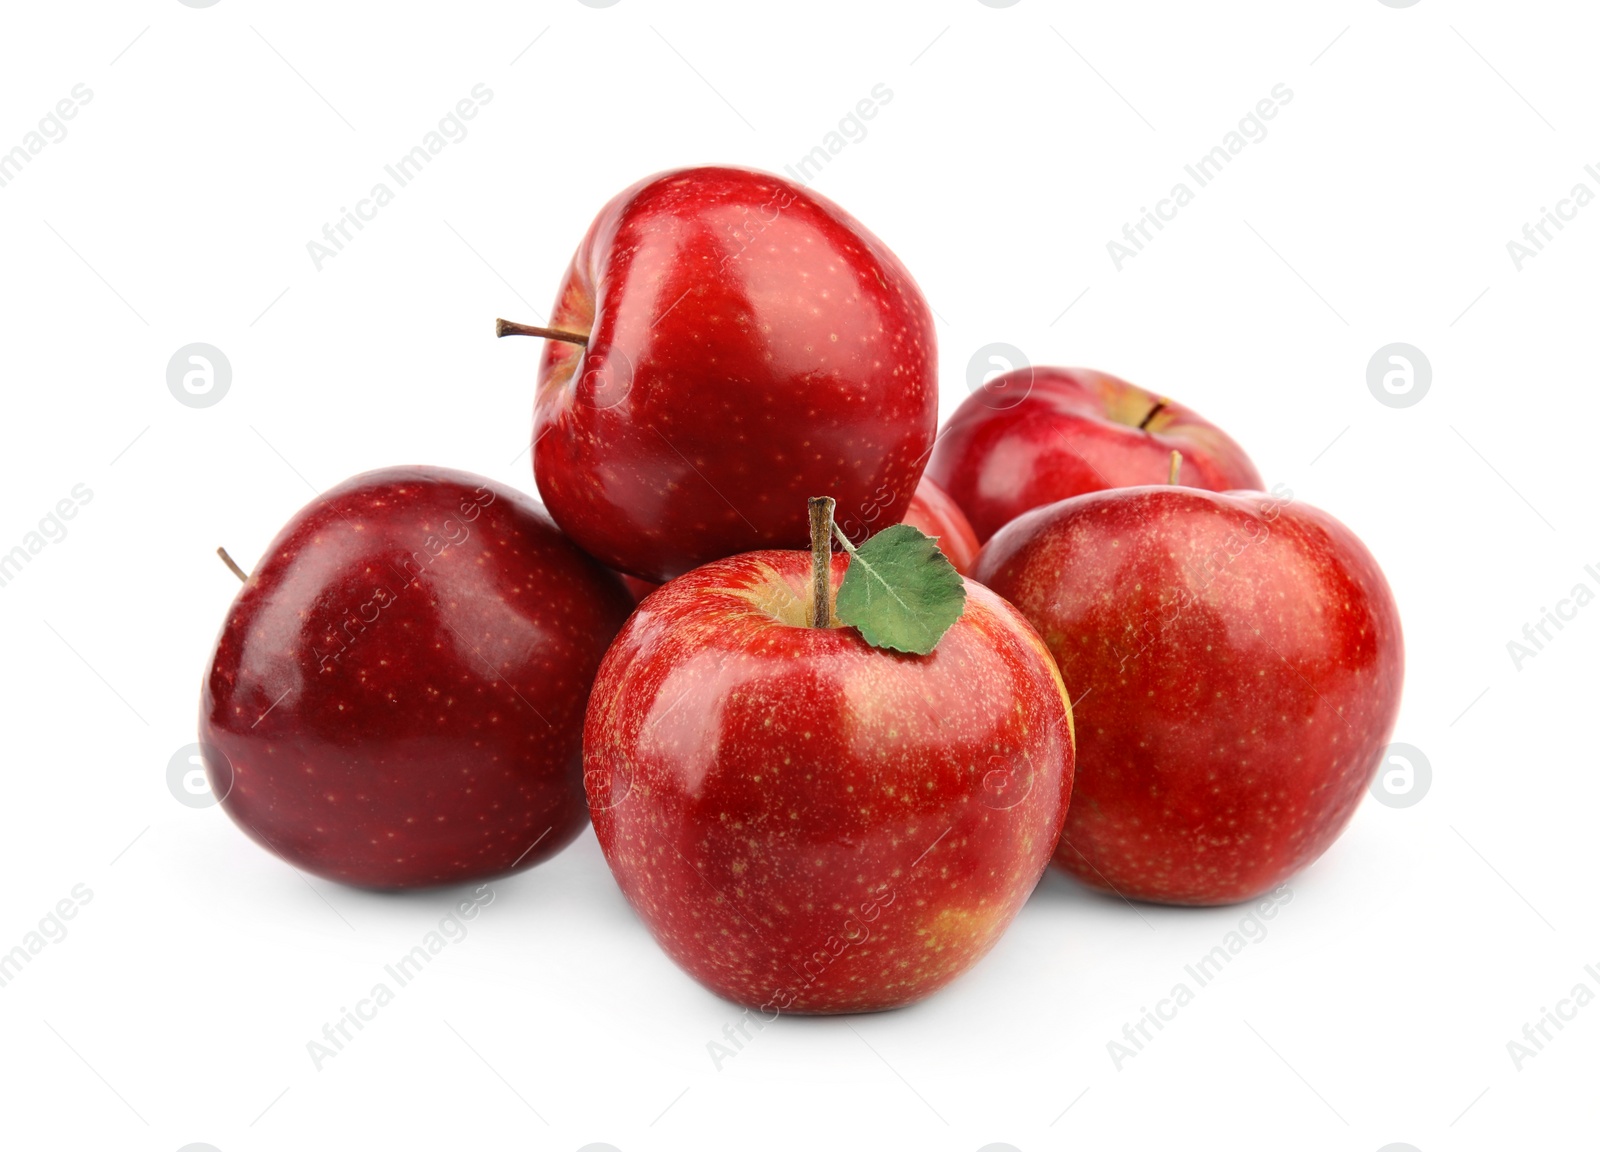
x,y
397,696
636,587
1037,435
935,513
809,824
1236,661
745,343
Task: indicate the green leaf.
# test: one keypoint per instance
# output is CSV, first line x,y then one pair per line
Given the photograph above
x,y
900,591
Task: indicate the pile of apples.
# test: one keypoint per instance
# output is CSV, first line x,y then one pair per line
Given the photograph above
x,y
825,780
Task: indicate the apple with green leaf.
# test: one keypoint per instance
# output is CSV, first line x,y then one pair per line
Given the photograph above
x,y
826,782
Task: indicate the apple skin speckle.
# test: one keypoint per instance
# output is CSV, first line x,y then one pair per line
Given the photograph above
x,y
750,344
808,824
399,687
1237,662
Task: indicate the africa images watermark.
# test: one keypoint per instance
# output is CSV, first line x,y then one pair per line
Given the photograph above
x,y
50,530
744,232
851,130
875,508
1536,635
1251,929
351,624
1251,129
451,129
1536,235
1537,1034
52,129
452,929
852,933
51,929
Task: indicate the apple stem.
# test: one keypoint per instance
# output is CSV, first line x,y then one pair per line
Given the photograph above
x,y
821,509
1151,415
1173,465
232,567
511,328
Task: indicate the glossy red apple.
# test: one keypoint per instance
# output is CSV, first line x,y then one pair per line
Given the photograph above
x,y
397,695
809,824
933,511
1236,661
1037,435
746,343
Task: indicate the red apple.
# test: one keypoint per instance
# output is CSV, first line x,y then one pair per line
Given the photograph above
x,y
1236,661
397,696
745,344
935,513
809,824
1037,435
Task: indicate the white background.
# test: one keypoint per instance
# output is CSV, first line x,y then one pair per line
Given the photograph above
x,y
1017,143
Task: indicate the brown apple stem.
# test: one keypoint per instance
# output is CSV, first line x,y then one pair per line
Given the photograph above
x,y
511,328
232,567
821,508
1151,415
1173,465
